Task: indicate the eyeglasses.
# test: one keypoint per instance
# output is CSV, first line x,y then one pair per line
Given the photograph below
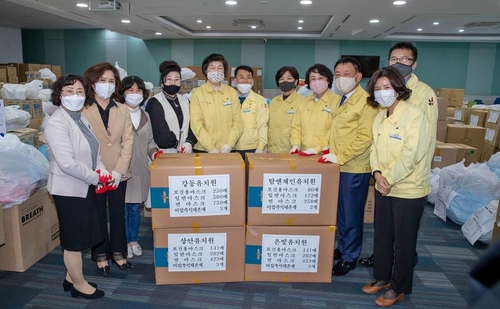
x,y
72,92
403,59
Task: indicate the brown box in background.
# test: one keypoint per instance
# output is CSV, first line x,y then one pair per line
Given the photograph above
x,y
496,226
442,108
56,69
11,70
477,117
444,155
493,119
33,106
45,66
455,96
470,154
13,79
465,134
491,136
3,73
24,67
488,151
289,254
462,114
298,190
370,206
31,231
26,135
442,127
200,255
450,112
146,212
208,190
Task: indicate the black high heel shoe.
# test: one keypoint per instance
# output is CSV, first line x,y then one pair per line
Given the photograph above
x,y
124,266
67,285
97,294
103,271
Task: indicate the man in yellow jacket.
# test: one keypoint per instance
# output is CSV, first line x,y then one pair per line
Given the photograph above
x,y
350,141
254,113
215,110
403,57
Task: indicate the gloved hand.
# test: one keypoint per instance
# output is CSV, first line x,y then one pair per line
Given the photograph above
x,y
214,151
186,148
259,151
156,154
308,152
226,149
104,176
328,158
295,149
117,178
325,150
100,188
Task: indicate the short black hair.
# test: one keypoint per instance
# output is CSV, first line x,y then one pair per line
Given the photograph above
x,y
405,45
322,70
355,62
60,83
292,70
212,58
166,67
129,81
244,68
397,82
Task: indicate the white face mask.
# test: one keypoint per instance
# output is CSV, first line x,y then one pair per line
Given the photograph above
x,y
134,99
215,77
104,90
319,86
73,103
385,97
345,84
244,88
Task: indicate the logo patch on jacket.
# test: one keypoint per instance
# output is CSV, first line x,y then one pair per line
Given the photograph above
x,y
431,101
396,136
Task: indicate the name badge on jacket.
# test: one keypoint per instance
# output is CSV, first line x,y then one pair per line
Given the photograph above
x,y
227,103
247,110
326,109
290,112
395,136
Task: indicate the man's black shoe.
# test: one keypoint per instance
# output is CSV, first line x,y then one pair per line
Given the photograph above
x,y
343,268
337,254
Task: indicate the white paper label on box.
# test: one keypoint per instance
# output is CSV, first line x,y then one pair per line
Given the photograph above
x,y
197,252
474,120
3,126
490,134
291,193
458,114
196,196
259,72
290,253
492,116
438,158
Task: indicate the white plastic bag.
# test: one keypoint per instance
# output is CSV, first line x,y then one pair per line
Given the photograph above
x,y
187,73
16,118
121,71
48,74
23,169
14,92
33,88
494,164
432,197
44,95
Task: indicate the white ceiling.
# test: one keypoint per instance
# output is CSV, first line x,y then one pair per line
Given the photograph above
x,y
323,19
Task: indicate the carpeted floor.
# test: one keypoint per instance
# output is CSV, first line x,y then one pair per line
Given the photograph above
x,y
440,281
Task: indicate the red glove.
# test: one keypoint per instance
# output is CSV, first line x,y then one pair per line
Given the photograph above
x,y
325,151
156,154
104,177
100,188
295,149
305,154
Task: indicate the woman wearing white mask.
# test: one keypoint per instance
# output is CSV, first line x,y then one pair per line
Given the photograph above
x,y
397,157
75,171
310,129
254,113
169,113
112,126
134,93
215,109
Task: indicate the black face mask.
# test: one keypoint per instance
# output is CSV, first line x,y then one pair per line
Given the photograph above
x,y
404,69
171,89
286,86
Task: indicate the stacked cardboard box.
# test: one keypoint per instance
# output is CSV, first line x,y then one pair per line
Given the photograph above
x,y
33,106
198,218
492,137
31,231
446,154
292,210
465,134
462,114
26,72
442,114
455,96
477,117
27,135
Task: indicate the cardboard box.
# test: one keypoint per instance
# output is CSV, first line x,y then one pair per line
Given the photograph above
x,y
147,212
26,135
455,96
13,79
442,108
11,71
491,136
3,73
198,190
488,151
201,255
56,69
291,190
444,155
450,112
442,128
31,231
470,154
33,106
493,119
2,229
462,114
477,117
496,226
46,66
370,206
25,67
465,134
289,254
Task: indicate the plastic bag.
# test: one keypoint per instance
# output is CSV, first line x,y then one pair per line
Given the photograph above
x,y
16,118
187,73
462,190
23,169
494,164
14,92
34,87
48,74
121,71
149,85
44,95
480,224
432,197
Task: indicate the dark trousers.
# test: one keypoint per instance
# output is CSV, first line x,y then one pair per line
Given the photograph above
x,y
397,221
353,189
115,240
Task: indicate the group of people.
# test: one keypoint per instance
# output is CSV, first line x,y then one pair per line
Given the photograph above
x,y
100,142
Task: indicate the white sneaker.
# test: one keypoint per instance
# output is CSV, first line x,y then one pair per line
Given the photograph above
x,y
130,252
137,250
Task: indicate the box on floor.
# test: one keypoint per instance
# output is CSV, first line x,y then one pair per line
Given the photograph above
x,y
455,96
464,134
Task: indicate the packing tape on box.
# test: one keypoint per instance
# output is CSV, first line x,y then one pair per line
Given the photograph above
x,y
198,169
251,231
291,162
289,221
331,229
196,227
285,279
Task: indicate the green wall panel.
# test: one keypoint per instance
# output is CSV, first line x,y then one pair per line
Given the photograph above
x,y
230,49
495,86
144,57
33,46
279,53
83,48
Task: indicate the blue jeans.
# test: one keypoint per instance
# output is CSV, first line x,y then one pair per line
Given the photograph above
x,y
132,219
